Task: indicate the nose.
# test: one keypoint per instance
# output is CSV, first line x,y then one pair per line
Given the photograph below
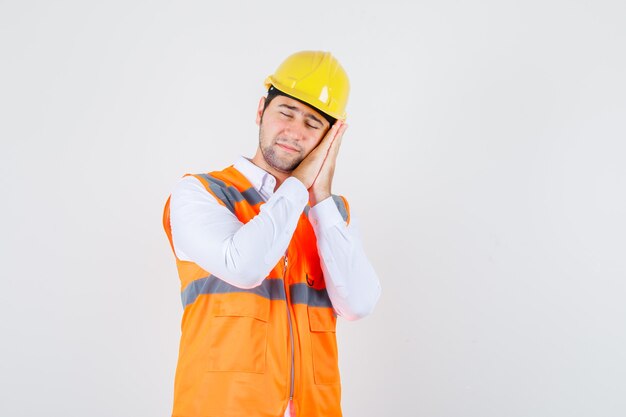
x,y
295,132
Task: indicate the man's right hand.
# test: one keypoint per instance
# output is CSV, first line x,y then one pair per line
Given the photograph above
x,y
310,166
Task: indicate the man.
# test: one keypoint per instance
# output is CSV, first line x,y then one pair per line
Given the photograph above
x,y
268,258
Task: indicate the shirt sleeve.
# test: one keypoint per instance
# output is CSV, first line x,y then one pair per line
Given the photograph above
x,y
352,284
208,234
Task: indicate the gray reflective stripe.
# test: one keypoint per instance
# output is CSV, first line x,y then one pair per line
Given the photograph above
x,y
252,196
218,189
303,294
272,289
229,194
341,207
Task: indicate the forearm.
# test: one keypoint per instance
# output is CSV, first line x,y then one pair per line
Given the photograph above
x,y
351,281
208,234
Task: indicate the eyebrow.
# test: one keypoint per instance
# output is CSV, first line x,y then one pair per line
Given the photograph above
x,y
306,114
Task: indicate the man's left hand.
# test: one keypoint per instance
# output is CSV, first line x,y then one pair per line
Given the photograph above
x,y
320,190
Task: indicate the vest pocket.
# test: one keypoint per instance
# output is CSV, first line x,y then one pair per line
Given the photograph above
x,y
238,337
322,324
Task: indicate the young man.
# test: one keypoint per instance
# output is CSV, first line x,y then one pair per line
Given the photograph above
x,y
268,258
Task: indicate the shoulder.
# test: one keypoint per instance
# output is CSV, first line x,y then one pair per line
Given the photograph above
x,y
190,183
211,182
191,188
227,187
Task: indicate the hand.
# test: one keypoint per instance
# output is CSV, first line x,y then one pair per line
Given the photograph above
x,y
322,184
310,167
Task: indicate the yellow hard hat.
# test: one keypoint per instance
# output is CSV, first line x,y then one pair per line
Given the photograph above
x,y
316,78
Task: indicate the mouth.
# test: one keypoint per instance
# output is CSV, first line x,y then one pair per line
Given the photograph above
x,y
287,148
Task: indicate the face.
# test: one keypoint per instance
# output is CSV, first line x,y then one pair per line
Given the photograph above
x,y
288,132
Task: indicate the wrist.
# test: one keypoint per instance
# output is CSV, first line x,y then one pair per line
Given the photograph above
x,y
317,196
301,179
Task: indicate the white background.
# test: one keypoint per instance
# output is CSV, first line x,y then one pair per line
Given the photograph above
x,y
484,159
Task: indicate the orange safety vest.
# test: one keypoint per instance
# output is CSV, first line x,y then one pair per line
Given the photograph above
x,y
245,352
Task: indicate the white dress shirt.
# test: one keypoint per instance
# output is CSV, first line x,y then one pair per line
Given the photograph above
x,y
210,235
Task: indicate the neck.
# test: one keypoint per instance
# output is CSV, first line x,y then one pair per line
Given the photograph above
x,y
259,161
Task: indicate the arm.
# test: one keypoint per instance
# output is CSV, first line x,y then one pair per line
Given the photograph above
x,y
351,282
208,234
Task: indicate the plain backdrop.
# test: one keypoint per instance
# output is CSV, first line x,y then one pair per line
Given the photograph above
x,y
485,159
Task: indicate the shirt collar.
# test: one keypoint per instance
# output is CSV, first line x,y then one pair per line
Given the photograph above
x,y
258,177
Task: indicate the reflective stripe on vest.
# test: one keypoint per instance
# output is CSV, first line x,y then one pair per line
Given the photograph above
x,y
272,289
229,195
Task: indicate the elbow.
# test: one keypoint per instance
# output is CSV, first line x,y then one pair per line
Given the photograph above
x,y
359,310
246,278
357,313
244,272
242,275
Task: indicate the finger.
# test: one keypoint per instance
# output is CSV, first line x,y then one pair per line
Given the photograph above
x,y
321,150
331,150
332,132
341,131
334,147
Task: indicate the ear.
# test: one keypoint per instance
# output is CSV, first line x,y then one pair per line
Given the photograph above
x,y
259,111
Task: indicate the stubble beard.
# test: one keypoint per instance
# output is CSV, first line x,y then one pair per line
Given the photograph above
x,y
274,160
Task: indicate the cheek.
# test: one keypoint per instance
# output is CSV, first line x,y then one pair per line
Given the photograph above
x,y
317,139
278,129
310,145
270,131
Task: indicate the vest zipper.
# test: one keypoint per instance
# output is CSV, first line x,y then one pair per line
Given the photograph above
x,y
290,329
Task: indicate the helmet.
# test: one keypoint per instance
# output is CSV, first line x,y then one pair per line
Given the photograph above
x,y
316,78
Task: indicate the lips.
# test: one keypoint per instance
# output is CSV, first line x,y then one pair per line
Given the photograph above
x,y
287,147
